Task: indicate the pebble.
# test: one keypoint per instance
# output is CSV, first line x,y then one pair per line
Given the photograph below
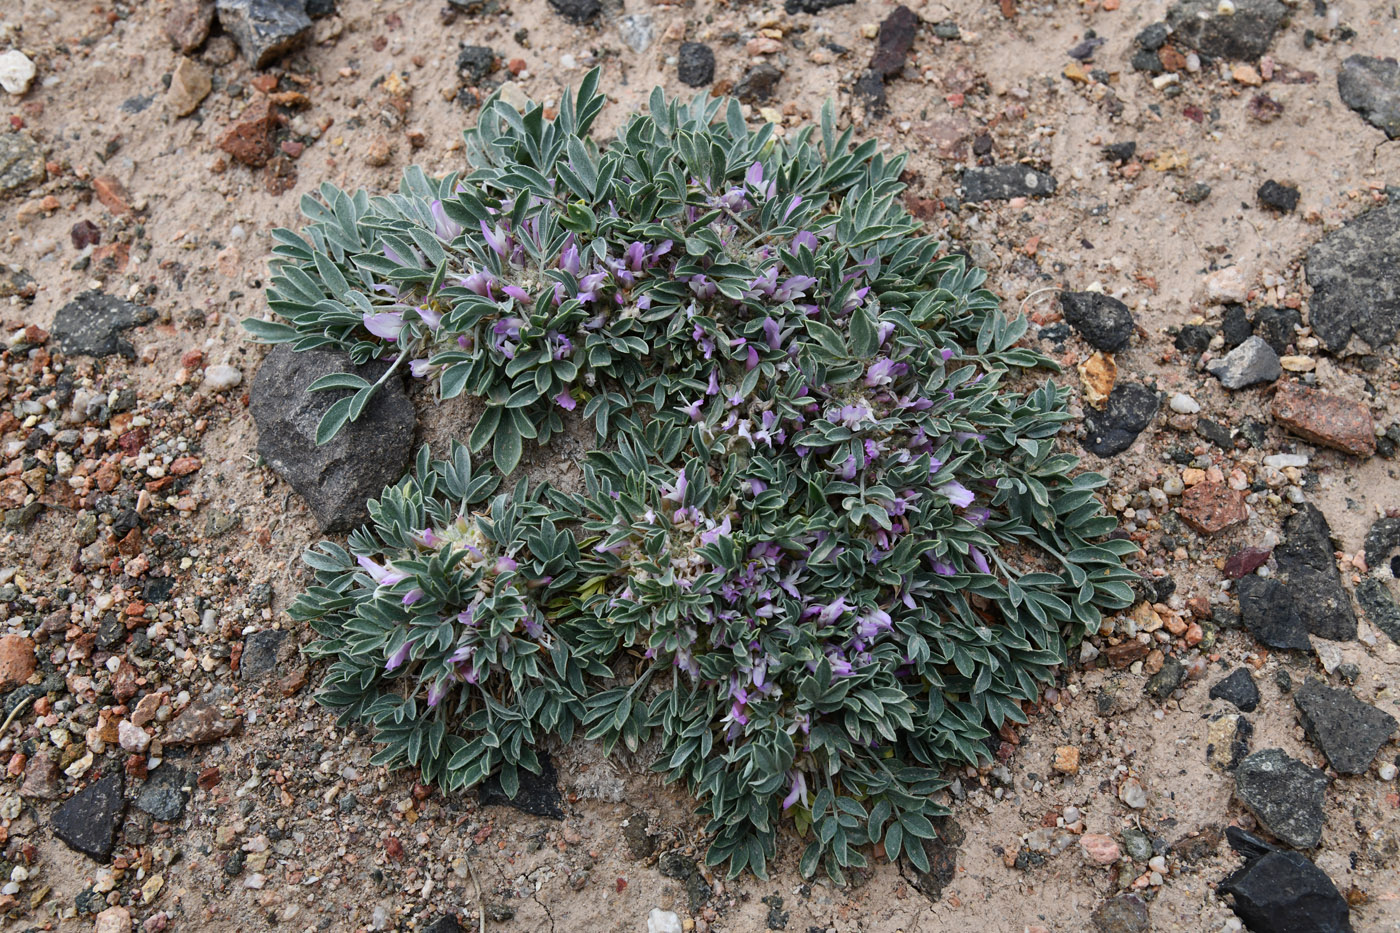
x,y
1331,420
265,30
222,376
1184,404
1132,793
1100,848
1285,795
1351,274
1280,461
1227,285
190,83
695,64
17,661
1004,182
1210,507
663,921
1371,87
1348,731
1281,198
16,72
1251,363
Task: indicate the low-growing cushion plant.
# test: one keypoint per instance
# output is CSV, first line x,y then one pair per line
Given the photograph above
x,y
826,541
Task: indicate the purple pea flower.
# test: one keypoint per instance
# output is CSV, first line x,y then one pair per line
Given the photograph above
x,y
385,324
805,238
398,657
565,401
798,792
383,576
436,692
413,596
445,227
957,493
494,239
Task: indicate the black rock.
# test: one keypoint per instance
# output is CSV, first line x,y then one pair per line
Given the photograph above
x,y
1248,844
259,654
338,477
812,6
870,88
1371,87
757,84
1239,689
695,64
91,325
1130,408
1382,539
265,30
538,794
1120,152
111,632
444,924
165,793
1285,795
319,9
1380,607
1348,731
1216,433
1193,338
1122,913
640,843
893,42
577,12
1085,50
1056,333
1195,193
87,822
942,854
1270,614
1004,182
1305,560
1235,326
1161,684
685,870
1104,321
1244,34
1352,274
1145,61
1152,38
1283,892
475,63
1282,198
1277,327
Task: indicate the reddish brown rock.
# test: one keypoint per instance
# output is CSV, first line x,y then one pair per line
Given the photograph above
x,y
202,722
252,140
187,24
1212,507
1121,656
1329,420
17,661
112,194
1246,560
42,779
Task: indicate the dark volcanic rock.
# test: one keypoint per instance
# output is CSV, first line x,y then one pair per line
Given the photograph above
x,y
870,88
444,924
1243,35
1238,689
1235,326
259,654
1382,538
1348,731
1153,37
1130,408
1351,272
21,163
1120,152
893,42
165,793
673,864
1305,560
812,6
1380,607
1122,913
1371,87
91,325
319,9
1278,327
942,853
695,64
1104,321
335,478
265,30
1283,892
757,84
640,843
1004,182
1161,684
475,63
577,12
1282,198
1285,795
87,822
1270,614
538,794
1193,338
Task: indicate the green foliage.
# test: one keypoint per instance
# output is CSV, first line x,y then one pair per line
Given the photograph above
x,y
823,546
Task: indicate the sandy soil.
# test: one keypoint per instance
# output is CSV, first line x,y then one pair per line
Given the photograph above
x,y
196,245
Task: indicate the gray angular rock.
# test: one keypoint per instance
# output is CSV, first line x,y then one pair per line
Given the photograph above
x,y
1380,607
1270,614
1382,539
1306,563
87,822
1352,274
1285,795
1130,408
338,477
1283,892
21,163
1238,689
1161,684
259,654
1103,320
92,324
637,30
1348,731
165,793
1249,364
1243,35
1371,87
265,30
577,12
1004,182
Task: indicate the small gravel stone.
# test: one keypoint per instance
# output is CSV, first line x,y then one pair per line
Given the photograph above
x,y
1183,404
1285,795
1212,507
265,30
1004,182
1238,689
1104,321
17,71
21,163
1130,409
1281,198
1132,793
1348,731
695,64
1122,913
577,12
1371,87
1341,423
1243,32
87,822
1251,363
1099,848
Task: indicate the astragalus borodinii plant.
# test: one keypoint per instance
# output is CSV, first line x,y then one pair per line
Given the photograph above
x,y
826,541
